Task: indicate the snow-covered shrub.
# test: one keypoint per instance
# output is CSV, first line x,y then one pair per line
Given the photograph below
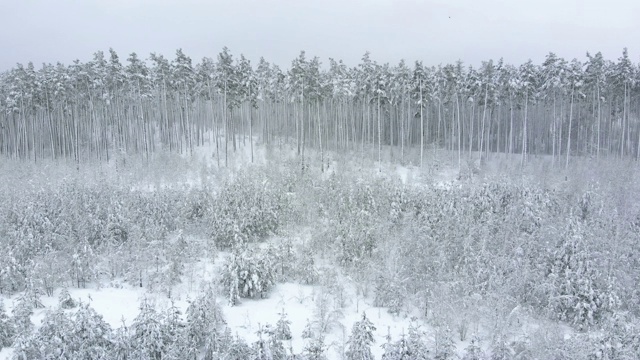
x,y
411,346
285,258
49,270
262,347
65,301
283,327
21,315
246,209
315,348
7,329
395,350
122,344
203,327
388,293
326,316
580,293
416,344
154,334
278,351
248,273
333,284
90,336
235,348
473,351
305,268
620,339
361,340
196,204
81,265
50,341
444,346
82,335
165,262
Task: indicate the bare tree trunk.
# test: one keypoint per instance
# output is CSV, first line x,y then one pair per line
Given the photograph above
x,y
226,127
421,127
379,137
484,114
569,130
524,129
511,125
459,133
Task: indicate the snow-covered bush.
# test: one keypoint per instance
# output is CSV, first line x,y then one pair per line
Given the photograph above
x,y
473,351
90,336
235,348
361,340
326,316
388,293
51,340
203,326
580,293
154,335
444,345
197,204
315,348
65,301
21,315
411,346
248,273
7,329
283,329
333,284
285,258
620,339
246,209
82,335
306,271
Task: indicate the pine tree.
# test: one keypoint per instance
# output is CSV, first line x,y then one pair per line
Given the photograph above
x,y
173,334
361,339
315,349
90,336
147,335
395,350
123,346
65,301
473,351
415,344
445,347
53,338
21,316
203,325
278,351
7,330
307,332
283,330
262,347
238,349
501,350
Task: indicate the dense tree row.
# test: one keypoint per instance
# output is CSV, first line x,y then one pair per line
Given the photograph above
x,y
101,107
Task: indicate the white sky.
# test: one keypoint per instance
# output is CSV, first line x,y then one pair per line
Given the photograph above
x,y
434,31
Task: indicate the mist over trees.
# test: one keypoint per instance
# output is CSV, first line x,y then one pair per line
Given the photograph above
x,y
108,106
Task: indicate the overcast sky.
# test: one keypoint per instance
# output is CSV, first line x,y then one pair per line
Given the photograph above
x,y
434,31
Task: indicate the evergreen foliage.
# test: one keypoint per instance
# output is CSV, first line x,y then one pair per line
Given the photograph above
x,y
361,340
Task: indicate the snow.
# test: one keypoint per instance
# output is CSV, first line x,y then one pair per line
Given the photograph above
x,y
119,302
120,305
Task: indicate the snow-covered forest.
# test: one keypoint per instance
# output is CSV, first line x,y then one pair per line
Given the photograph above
x,y
90,110
161,209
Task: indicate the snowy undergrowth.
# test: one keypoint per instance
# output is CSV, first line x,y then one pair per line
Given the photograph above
x,y
443,268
